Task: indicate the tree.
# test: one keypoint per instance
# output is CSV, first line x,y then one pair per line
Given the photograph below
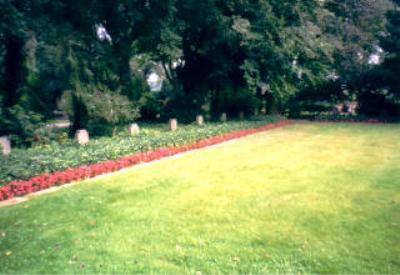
x,y
354,28
379,88
17,53
232,50
391,45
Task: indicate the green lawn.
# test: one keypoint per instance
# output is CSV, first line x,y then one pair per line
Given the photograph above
x,y
309,198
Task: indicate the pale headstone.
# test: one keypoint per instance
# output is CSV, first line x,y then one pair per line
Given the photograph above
x,y
133,129
200,120
223,117
173,124
264,110
241,115
5,145
82,136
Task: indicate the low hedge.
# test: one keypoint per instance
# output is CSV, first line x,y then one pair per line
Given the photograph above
x,y
23,164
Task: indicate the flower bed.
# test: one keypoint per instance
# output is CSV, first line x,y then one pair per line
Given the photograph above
x,y
23,164
46,180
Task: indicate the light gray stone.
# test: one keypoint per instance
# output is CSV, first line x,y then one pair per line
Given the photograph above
x,y
241,115
133,129
200,120
173,124
5,145
223,117
82,136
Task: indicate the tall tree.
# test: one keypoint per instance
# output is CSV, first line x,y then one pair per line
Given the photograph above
x,y
354,28
391,46
379,88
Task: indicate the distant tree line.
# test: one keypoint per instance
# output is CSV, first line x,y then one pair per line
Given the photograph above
x,y
92,57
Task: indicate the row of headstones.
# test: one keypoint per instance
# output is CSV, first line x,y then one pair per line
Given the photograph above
x,y
82,136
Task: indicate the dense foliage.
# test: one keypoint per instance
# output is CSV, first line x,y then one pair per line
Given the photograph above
x,y
101,108
25,163
380,86
213,56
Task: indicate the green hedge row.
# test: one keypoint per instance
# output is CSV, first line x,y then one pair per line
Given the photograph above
x,y
25,163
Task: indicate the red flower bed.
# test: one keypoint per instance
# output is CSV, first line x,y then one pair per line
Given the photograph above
x,y
44,181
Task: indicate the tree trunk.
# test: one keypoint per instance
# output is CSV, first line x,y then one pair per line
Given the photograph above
x,y
15,71
126,77
272,105
14,78
80,116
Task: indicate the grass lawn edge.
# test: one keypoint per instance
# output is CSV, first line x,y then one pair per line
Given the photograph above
x,y
16,191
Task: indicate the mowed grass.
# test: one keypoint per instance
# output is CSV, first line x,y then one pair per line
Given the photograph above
x,y
308,198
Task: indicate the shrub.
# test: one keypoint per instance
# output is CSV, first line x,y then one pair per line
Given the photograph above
x,y
377,105
103,109
234,100
21,125
46,135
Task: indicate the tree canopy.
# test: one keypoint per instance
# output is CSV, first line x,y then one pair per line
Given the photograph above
x,y
213,56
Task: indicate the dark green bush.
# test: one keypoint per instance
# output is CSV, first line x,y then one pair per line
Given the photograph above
x,y
102,108
21,125
233,101
377,105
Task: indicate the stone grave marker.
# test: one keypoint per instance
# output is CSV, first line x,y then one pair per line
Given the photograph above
x,y
82,136
200,120
133,129
5,145
223,117
173,124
